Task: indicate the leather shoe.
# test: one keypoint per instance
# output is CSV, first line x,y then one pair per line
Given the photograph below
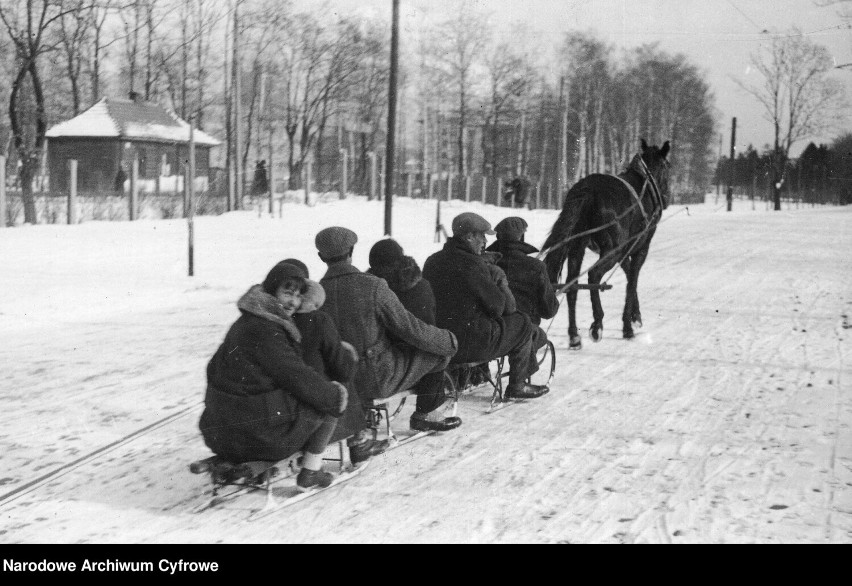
x,y
420,423
367,449
526,391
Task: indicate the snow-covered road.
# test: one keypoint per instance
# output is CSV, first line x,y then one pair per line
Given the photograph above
x,y
726,420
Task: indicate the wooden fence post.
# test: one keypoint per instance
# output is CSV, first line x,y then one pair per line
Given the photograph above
x,y
308,182
538,195
449,186
343,171
372,193
550,196
2,191
409,185
72,191
467,188
499,192
134,187
431,186
271,187
484,188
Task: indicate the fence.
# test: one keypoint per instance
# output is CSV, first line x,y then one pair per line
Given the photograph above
x,y
139,201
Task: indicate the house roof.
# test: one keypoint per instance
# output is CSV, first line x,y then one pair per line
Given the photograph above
x,y
131,120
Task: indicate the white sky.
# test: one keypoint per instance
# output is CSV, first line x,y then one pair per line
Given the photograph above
x,y
718,36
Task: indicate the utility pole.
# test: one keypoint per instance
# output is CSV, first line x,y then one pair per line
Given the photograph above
x,y
239,174
190,193
731,174
391,142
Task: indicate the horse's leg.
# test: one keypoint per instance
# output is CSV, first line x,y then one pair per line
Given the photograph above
x,y
605,263
633,284
575,261
629,297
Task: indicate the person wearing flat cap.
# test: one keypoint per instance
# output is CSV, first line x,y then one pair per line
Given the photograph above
x,y
395,348
263,402
527,276
472,306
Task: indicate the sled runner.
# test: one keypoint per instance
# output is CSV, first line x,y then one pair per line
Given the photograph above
x,y
229,480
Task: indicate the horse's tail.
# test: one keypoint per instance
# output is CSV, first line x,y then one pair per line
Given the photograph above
x,y
571,220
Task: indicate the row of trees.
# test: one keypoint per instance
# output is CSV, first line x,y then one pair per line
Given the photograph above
x,y
821,173
290,85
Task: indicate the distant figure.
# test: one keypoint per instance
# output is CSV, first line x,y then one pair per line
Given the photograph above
x,y
260,185
120,178
517,190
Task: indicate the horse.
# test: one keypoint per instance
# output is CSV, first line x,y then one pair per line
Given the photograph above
x,y
615,216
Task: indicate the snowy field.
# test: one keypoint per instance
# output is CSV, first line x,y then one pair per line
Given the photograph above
x,y
727,420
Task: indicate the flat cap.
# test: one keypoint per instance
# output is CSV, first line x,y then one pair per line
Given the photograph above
x,y
335,241
469,222
511,228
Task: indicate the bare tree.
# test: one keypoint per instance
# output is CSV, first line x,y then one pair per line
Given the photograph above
x,y
798,97
455,45
74,33
511,77
27,23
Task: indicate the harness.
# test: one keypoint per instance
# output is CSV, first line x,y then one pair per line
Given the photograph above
x,y
638,165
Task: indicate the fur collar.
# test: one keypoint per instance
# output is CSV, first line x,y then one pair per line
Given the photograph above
x,y
400,277
260,303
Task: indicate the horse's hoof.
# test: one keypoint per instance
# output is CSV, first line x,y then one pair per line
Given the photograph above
x,y
596,334
575,343
627,335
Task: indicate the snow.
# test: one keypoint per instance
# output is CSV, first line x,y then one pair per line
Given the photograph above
x,y
725,421
96,121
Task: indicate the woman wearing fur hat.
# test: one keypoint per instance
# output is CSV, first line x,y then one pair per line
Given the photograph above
x,y
263,402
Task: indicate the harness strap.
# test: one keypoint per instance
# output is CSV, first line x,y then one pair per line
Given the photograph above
x,y
635,195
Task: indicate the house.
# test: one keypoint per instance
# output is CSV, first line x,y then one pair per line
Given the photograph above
x,y
106,138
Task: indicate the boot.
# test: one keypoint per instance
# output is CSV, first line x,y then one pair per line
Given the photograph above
x,y
366,449
525,391
314,479
433,421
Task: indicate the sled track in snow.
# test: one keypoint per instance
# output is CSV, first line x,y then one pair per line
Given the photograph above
x,y
30,486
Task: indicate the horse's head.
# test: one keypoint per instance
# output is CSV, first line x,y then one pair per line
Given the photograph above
x,y
657,163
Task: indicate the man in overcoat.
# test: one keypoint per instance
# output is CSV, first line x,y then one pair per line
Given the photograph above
x,y
527,276
395,348
472,306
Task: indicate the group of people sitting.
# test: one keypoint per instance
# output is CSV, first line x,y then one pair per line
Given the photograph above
x,y
300,367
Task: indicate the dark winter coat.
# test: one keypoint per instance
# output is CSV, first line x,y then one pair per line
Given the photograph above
x,y
528,279
413,291
321,348
395,348
469,303
263,402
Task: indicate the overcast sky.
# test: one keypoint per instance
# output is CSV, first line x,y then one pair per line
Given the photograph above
x,y
718,36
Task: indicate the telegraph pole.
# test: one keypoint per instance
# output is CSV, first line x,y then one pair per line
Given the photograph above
x,y
239,174
733,152
391,142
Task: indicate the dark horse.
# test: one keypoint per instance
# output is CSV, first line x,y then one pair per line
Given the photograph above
x,y
615,216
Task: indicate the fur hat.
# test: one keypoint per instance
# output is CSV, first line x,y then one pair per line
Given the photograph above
x,y
386,253
281,272
298,263
511,228
468,222
335,241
